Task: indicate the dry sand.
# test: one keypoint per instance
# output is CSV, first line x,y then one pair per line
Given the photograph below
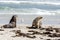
x,y
7,34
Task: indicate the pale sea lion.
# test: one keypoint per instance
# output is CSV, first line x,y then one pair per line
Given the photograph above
x,y
54,35
12,23
37,22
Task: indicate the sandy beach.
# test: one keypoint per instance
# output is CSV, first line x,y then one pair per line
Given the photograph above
x,y
9,33
29,19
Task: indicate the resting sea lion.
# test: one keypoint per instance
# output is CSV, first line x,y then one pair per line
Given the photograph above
x,y
12,23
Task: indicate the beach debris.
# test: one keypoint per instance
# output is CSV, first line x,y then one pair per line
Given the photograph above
x,y
31,27
42,28
18,34
49,28
37,22
1,33
15,30
48,39
47,32
34,32
1,29
58,39
30,36
40,38
54,35
57,30
12,23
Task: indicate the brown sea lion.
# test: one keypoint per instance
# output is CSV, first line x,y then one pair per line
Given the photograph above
x,y
37,22
12,23
13,20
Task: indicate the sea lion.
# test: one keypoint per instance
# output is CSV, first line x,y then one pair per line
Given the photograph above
x,y
12,23
37,22
19,33
13,20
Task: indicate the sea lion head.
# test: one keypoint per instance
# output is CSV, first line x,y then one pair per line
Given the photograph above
x,y
14,16
13,19
39,17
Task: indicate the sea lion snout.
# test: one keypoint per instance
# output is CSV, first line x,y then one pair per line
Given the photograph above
x,y
40,17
